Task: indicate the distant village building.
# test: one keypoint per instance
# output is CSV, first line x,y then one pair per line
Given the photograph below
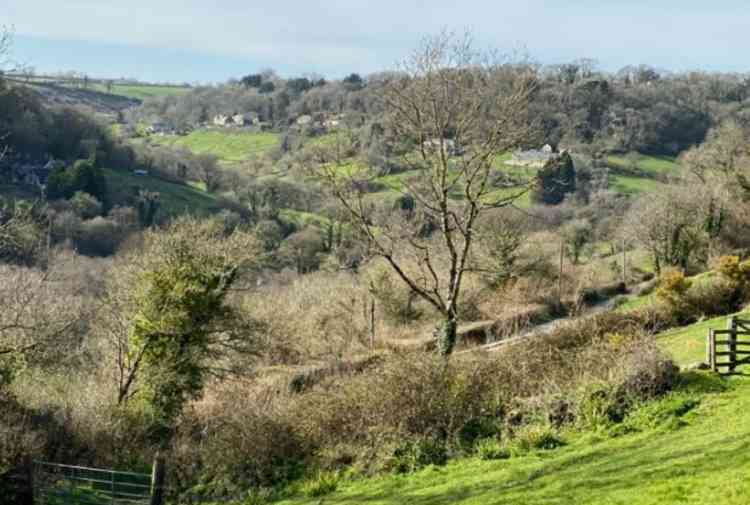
x,y
448,144
304,120
332,122
236,120
534,158
159,128
220,120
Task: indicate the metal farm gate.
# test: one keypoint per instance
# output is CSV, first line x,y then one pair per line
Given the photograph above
x,y
55,484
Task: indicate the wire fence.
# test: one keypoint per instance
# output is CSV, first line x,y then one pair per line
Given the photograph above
x,y
56,484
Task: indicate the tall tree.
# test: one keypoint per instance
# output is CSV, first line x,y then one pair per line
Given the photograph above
x,y
179,327
451,110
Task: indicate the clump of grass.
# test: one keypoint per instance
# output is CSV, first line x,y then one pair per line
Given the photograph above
x,y
667,413
412,456
600,405
322,484
535,437
489,449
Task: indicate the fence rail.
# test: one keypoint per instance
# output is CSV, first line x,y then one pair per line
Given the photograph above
x,y
735,351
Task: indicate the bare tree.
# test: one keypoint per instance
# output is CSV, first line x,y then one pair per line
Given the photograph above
x,y
6,41
724,155
671,225
451,110
38,316
720,170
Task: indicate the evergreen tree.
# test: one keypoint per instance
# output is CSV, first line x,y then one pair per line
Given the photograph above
x,y
555,180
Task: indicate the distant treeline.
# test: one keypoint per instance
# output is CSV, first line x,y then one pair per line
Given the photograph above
x,y
636,109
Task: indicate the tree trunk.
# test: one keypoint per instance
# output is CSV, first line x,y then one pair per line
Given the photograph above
x,y
446,335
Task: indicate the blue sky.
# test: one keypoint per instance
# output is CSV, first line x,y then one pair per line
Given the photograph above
x,y
211,41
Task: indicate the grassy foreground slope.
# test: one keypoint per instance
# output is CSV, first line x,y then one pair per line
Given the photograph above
x,y
696,457
692,450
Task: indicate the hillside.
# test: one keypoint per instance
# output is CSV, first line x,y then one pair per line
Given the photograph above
x,y
101,102
175,199
688,448
693,454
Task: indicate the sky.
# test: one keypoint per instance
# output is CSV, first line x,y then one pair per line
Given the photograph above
x,y
214,40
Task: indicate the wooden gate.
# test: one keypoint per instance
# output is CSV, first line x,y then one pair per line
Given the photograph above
x,y
726,349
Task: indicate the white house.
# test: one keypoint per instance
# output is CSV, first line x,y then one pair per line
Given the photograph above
x,y
534,158
220,120
304,120
448,144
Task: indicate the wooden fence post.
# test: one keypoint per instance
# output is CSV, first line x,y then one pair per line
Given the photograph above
x,y
711,350
560,278
157,481
372,323
732,327
30,485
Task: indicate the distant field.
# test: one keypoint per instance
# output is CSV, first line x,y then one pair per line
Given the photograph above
x,y
176,199
304,219
652,165
138,91
229,146
141,91
632,185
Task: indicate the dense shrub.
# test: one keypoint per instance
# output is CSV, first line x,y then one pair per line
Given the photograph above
x,y
99,237
736,273
242,440
672,290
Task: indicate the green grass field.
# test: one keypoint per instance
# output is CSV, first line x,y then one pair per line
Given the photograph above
x,y
141,91
176,199
633,185
652,165
229,147
644,176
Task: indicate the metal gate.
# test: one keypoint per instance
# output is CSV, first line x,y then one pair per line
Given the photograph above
x,y
77,485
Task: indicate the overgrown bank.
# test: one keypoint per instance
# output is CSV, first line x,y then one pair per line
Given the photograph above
x,y
688,448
